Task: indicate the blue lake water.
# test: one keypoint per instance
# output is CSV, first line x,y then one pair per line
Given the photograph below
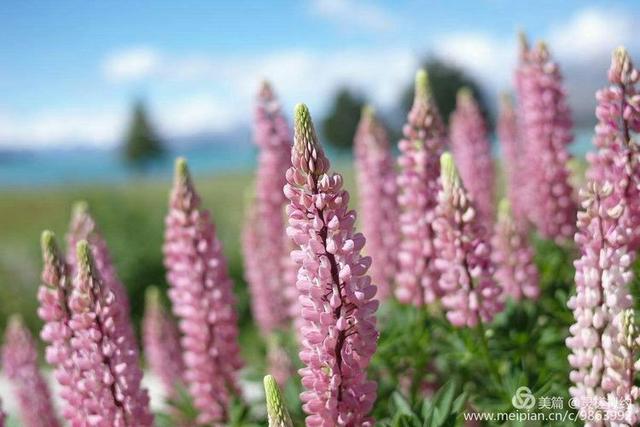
x,y
61,167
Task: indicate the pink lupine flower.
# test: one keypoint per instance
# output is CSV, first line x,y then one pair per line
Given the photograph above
x,y
273,138
420,149
603,273
512,160
463,255
336,296
53,296
602,366
377,189
162,343
106,377
547,131
261,302
472,152
20,364
516,271
202,297
616,158
83,227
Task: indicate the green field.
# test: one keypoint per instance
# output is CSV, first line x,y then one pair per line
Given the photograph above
x,y
130,216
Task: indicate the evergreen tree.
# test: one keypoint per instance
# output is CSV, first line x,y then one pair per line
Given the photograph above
x,y
142,143
339,126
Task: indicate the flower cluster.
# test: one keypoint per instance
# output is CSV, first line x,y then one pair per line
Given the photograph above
x,y
516,271
202,297
108,384
336,296
53,298
471,295
603,351
513,161
546,132
162,342
472,152
270,248
424,140
20,364
378,199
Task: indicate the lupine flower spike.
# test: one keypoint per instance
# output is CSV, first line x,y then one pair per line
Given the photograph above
x,y
472,152
378,199
273,138
20,364
516,271
202,297
463,253
162,342
546,124
84,227
107,379
420,149
602,366
276,409
513,163
336,296
53,296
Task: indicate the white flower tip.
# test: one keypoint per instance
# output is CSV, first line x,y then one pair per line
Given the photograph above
x,y
448,171
422,90
48,243
182,173
80,208
83,254
464,95
368,112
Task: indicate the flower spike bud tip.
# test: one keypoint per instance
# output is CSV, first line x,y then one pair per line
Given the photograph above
x,y
449,172
276,409
422,86
305,143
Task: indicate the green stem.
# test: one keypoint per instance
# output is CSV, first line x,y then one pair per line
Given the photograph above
x,y
484,345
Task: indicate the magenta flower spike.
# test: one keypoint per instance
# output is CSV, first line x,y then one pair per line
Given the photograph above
x,y
83,227
20,364
516,271
512,161
162,342
463,253
53,297
546,132
107,378
377,189
201,294
472,152
336,296
273,138
603,354
424,140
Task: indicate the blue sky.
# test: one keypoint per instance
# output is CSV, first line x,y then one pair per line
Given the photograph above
x,y
69,69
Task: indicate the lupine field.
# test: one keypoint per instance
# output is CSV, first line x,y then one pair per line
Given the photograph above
x,y
438,285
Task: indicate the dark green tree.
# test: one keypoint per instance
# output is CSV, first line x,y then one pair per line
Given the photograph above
x,y
142,142
445,80
339,126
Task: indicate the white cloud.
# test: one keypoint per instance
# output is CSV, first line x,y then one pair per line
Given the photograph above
x,y
354,13
591,34
130,64
487,58
60,128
